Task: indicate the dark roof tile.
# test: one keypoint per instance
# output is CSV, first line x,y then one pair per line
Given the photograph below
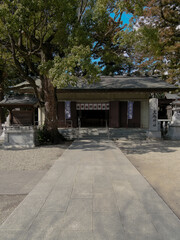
x,y
124,82
22,99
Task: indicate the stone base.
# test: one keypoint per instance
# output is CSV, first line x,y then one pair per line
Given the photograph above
x,y
154,134
174,132
2,137
21,137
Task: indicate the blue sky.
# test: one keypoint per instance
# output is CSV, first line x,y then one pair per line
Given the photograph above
x,y
126,17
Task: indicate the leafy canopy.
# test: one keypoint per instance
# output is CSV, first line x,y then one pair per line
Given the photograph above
x,y
157,39
42,36
64,40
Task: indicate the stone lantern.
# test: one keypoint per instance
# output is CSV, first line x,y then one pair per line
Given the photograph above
x,y
174,128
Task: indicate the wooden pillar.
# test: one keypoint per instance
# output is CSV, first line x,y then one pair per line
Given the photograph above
x,y
114,114
33,116
1,97
74,114
61,114
0,117
123,121
10,117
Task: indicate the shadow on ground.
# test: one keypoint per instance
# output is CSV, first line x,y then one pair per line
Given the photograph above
x,y
8,203
86,145
145,146
63,145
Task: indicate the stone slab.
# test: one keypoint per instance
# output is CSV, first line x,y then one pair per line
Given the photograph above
x,y
108,226
174,132
46,226
58,199
167,225
23,137
12,235
77,235
104,202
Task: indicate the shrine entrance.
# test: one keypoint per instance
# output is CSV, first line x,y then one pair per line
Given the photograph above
x,y
93,114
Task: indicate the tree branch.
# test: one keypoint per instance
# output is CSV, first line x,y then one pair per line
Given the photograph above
x,y
20,69
82,9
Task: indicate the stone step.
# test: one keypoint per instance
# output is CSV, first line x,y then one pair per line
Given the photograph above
x,y
75,133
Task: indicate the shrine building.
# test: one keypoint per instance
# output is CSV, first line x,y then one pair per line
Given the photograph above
x,y
114,102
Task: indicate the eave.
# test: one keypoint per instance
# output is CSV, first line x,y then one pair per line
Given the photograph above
x,y
150,90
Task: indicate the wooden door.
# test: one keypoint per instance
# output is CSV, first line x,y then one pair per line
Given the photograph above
x,y
22,117
123,114
61,114
135,122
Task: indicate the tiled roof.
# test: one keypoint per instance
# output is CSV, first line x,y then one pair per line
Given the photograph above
x,y
172,96
22,99
26,85
114,83
124,83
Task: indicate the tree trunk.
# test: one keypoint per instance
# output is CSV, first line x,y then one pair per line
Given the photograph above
x,y
2,110
51,120
1,97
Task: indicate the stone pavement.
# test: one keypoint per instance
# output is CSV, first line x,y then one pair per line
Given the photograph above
x,y
92,192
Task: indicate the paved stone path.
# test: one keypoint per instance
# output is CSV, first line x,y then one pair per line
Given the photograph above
x,y
92,192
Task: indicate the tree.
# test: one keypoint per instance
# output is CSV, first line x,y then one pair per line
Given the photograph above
x,y
55,41
7,71
111,45
44,35
1,86
157,39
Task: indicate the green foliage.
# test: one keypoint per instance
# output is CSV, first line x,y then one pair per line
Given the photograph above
x,y
157,39
59,38
7,71
150,42
66,71
56,40
43,136
37,33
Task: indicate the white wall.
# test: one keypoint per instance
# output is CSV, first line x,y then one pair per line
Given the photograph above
x,y
145,113
41,116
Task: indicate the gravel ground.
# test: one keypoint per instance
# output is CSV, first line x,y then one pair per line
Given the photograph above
x,y
39,158
19,164
159,163
8,203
